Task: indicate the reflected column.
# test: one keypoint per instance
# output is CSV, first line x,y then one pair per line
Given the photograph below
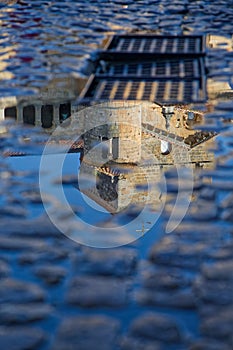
x,y
37,115
2,115
19,114
56,117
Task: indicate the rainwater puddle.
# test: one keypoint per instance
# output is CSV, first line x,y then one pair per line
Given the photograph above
x,y
112,175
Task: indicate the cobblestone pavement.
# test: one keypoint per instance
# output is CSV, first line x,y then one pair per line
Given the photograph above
x,y
175,293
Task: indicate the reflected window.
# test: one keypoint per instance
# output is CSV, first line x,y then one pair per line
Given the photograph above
x,y
47,116
10,112
64,111
115,147
29,115
166,147
105,147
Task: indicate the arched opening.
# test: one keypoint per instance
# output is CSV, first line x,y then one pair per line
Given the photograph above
x,y
10,112
47,116
64,111
29,115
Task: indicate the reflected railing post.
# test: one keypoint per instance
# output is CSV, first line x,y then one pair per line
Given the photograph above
x,y
2,116
56,119
37,115
19,113
168,112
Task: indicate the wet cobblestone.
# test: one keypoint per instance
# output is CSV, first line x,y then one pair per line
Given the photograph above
x,y
20,291
56,294
87,332
21,338
119,262
21,314
154,326
97,292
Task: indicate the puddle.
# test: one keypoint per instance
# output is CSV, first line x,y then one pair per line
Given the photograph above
x,y
106,174
114,174
132,161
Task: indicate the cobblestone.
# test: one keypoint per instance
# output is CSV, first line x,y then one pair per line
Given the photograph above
x,y
50,274
19,291
219,271
114,262
206,211
211,327
21,314
213,291
50,254
87,332
208,344
169,251
181,299
4,269
129,343
21,338
154,326
9,243
159,278
173,293
97,291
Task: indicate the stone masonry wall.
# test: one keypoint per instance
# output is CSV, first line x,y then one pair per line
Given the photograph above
x,y
107,121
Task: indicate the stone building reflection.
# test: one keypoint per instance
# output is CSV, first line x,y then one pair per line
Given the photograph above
x,y
130,148
49,108
126,146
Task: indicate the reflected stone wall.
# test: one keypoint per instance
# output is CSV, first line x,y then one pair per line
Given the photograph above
x,y
47,106
110,131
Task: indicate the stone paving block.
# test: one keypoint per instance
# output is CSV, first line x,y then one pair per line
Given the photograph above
x,y
90,291
129,343
202,233
13,211
40,227
19,244
87,332
156,326
163,278
21,338
216,292
204,211
208,344
19,291
114,262
4,268
24,313
50,274
171,251
219,326
50,254
222,253
219,271
179,299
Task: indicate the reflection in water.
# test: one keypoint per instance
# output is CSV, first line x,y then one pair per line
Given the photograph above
x,y
122,175
48,109
123,169
130,148
186,270
126,148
